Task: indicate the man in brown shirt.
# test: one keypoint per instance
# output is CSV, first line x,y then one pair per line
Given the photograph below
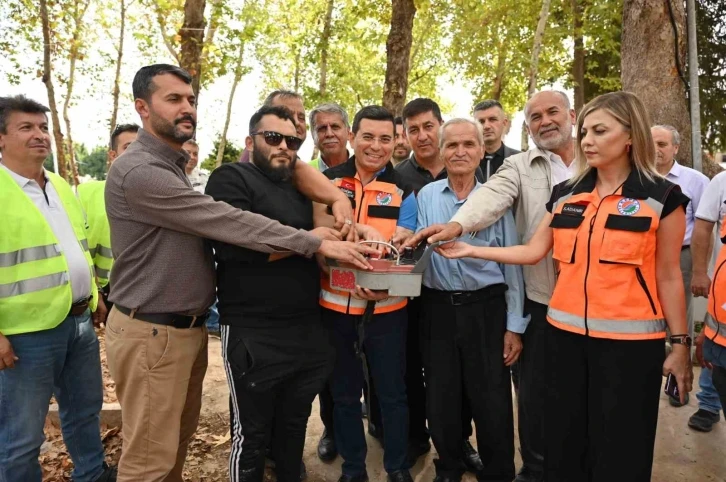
x,y
163,276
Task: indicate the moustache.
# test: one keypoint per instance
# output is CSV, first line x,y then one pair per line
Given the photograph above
x,y
186,118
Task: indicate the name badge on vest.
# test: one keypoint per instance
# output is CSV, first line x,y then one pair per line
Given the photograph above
x,y
348,189
574,209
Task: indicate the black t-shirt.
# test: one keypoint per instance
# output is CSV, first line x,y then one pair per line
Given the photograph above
x,y
250,288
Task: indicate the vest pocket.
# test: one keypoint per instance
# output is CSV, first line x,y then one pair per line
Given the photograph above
x,y
644,285
565,228
624,239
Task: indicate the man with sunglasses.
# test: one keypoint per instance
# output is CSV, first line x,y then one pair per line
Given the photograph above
x,y
163,274
275,348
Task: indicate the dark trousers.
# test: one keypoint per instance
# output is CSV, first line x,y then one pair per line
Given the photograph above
x,y
601,407
531,376
463,353
273,381
325,399
385,351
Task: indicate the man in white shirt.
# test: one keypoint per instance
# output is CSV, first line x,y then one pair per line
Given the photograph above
x,y
196,177
525,180
48,346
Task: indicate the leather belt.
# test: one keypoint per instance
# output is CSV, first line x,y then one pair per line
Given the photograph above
x,y
169,319
79,307
457,298
687,246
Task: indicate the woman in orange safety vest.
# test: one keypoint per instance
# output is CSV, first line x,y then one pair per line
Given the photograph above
x,y
615,231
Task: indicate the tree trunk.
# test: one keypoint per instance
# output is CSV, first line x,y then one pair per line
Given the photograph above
x,y
498,84
192,41
161,21
534,61
649,68
578,62
324,44
296,80
398,52
48,81
117,77
237,78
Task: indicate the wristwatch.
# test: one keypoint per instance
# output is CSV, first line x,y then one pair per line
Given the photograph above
x,y
681,340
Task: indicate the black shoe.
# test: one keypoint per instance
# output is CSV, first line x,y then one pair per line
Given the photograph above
x,y
446,478
303,471
358,478
327,450
109,474
676,402
529,475
416,449
399,476
703,420
471,458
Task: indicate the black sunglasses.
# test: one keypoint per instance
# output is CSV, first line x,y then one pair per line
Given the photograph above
x,y
273,138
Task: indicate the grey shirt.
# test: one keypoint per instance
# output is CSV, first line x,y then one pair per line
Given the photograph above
x,y
158,225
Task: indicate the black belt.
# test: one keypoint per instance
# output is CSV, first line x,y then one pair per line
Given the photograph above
x,y
457,298
168,319
687,246
79,307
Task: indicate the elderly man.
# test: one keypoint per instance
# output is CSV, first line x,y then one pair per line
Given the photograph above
x,y
495,123
331,129
163,274
667,141
526,180
471,321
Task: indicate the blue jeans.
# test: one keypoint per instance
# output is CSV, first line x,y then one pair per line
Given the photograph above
x,y
65,362
716,354
213,320
385,350
707,395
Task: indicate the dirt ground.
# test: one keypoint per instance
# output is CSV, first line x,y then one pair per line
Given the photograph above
x,y
681,454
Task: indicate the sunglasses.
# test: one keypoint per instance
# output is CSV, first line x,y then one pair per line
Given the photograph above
x,y
273,138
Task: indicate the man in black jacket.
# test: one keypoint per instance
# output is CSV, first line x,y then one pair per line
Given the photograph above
x,y
495,123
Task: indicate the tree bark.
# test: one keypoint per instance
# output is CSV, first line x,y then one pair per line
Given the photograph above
x,y
296,79
534,61
192,41
235,82
48,81
324,44
578,62
498,84
649,67
398,52
117,78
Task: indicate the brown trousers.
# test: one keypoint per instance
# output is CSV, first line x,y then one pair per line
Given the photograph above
x,y
158,372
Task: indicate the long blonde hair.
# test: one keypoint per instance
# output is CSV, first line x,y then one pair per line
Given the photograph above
x,y
629,110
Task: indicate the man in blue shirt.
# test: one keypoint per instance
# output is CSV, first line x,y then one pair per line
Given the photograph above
x,y
471,321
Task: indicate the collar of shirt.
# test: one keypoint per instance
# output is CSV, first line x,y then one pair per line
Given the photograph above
x,y
162,149
675,171
21,180
498,153
447,188
422,170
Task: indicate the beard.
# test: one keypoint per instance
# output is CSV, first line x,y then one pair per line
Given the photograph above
x,y
275,173
553,143
170,130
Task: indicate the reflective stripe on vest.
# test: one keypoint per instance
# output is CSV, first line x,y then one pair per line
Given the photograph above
x,y
334,300
623,327
91,196
29,254
33,284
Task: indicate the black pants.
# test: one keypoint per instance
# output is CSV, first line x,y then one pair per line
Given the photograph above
x,y
105,292
530,374
415,387
462,348
719,382
273,377
601,407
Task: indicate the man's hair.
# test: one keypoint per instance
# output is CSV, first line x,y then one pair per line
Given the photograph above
x,y
488,104
276,110
373,112
18,103
461,120
120,129
675,135
328,108
398,121
192,142
285,94
565,102
143,85
421,106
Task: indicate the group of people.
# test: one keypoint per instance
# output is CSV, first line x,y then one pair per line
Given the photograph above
x,y
613,235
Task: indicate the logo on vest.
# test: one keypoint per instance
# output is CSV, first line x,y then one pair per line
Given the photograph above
x,y
628,206
348,189
383,198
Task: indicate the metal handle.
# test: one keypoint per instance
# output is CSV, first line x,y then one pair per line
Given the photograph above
x,y
398,255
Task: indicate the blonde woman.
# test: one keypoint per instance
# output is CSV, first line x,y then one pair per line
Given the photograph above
x,y
615,230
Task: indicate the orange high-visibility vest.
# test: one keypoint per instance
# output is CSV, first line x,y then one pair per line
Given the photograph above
x,y
377,204
715,326
606,286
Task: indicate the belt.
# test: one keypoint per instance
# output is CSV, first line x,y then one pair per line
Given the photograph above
x,y
79,307
457,298
168,319
687,246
